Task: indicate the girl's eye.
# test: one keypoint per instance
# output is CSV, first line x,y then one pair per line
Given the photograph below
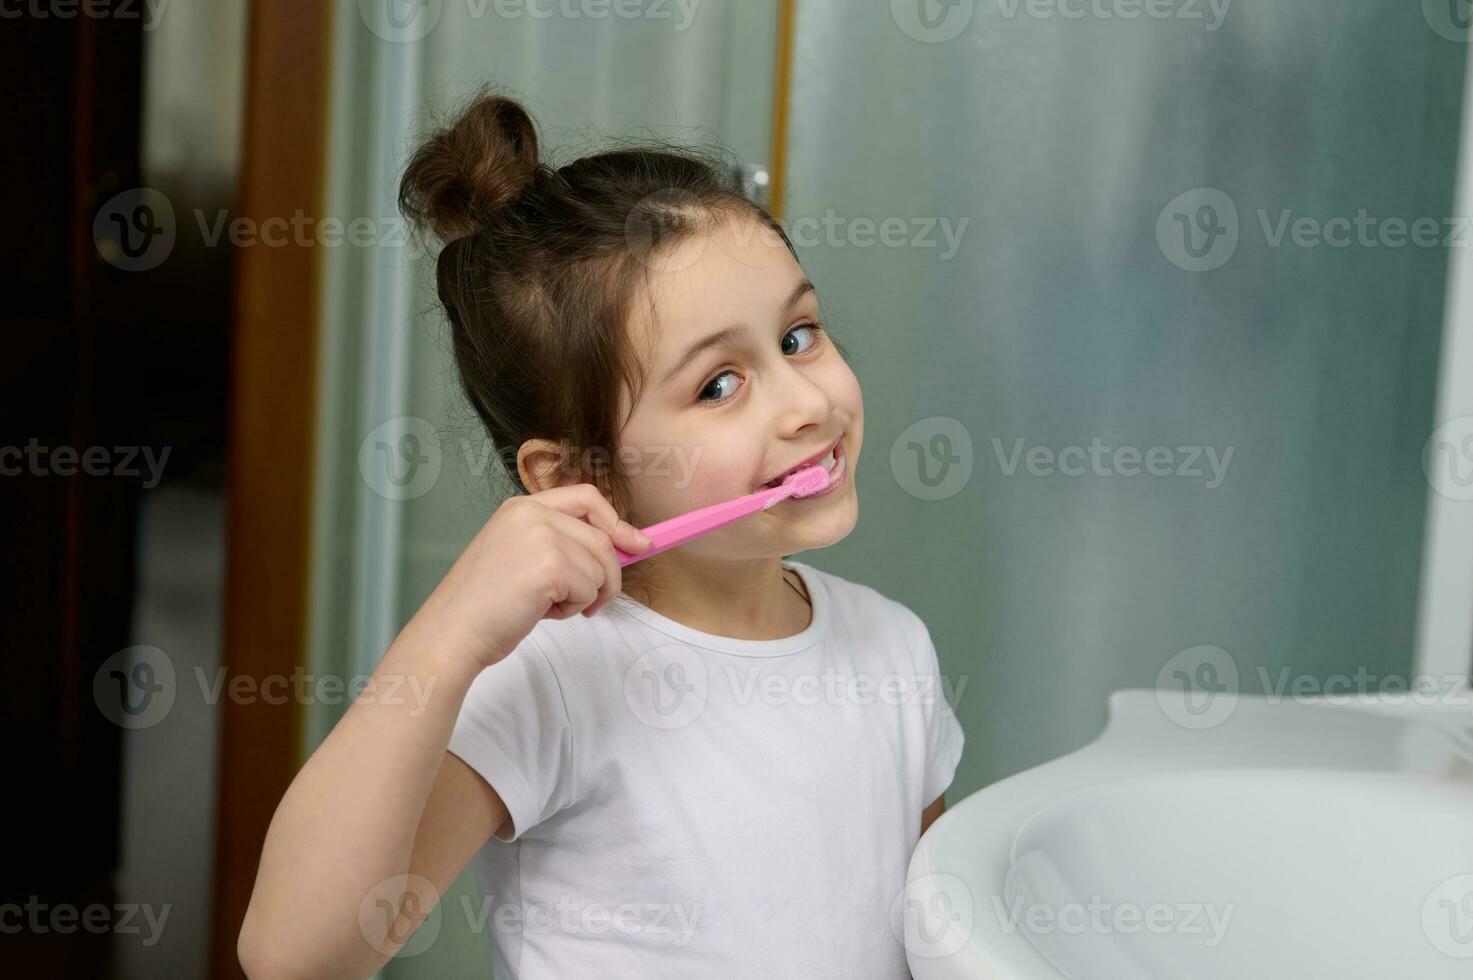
x,y
715,383
715,391
812,328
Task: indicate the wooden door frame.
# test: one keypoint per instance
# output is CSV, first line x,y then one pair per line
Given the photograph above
x,y
274,349
782,83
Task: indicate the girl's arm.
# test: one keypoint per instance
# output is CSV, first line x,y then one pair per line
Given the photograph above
x,y
379,798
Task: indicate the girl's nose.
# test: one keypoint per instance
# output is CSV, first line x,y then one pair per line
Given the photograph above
x,y
801,401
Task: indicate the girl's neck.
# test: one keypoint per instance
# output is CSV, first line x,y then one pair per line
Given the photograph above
x,y
744,600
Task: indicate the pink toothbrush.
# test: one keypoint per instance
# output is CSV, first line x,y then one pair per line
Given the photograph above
x,y
679,530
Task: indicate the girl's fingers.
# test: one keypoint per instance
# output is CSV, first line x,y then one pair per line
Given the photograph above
x,y
599,548
630,538
585,575
582,500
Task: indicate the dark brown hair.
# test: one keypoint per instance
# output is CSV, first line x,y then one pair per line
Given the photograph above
x,y
541,268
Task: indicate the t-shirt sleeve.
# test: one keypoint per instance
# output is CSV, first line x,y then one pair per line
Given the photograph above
x,y
513,729
944,735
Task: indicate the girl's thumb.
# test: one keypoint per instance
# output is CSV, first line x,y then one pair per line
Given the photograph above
x,y
634,540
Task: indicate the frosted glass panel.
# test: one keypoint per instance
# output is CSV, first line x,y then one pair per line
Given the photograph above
x,y
1061,327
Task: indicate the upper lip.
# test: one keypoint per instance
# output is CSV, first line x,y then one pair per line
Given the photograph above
x,y
833,446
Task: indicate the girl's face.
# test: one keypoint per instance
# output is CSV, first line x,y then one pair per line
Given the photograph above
x,y
742,385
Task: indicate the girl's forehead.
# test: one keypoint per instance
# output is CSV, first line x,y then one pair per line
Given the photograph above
x,y
737,274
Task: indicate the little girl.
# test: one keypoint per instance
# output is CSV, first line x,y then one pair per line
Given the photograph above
x,y
713,763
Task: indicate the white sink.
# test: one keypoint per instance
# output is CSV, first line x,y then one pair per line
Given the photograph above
x,y
1290,840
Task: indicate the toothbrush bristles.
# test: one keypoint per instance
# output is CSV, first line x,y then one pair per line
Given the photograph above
x,y
808,481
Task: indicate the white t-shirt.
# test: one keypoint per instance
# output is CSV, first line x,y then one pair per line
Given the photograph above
x,y
686,805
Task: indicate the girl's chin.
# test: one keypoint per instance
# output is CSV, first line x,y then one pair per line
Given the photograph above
x,y
808,535
825,525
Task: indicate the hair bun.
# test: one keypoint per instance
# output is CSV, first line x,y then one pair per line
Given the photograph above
x,y
461,174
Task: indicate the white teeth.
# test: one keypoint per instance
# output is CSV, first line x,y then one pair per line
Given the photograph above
x,y
827,462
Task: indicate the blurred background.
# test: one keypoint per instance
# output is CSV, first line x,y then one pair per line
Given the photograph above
x,y
1161,310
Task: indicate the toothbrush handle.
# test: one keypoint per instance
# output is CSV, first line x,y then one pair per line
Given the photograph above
x,y
679,530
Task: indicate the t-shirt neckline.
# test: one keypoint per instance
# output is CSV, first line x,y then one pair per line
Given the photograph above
x,y
817,625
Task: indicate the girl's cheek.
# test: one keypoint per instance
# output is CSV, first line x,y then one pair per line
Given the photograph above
x,y
848,384
689,479
714,471
718,479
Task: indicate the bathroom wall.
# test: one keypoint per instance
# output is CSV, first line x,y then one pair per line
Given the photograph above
x,y
1072,311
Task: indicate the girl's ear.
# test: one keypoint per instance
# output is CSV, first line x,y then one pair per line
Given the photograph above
x,y
542,464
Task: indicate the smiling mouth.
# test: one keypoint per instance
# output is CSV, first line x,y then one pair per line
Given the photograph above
x,y
828,461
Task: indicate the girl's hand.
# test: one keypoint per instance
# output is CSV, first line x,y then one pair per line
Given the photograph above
x,y
545,555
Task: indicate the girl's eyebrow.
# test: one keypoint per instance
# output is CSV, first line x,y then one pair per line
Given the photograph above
x,y
725,334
